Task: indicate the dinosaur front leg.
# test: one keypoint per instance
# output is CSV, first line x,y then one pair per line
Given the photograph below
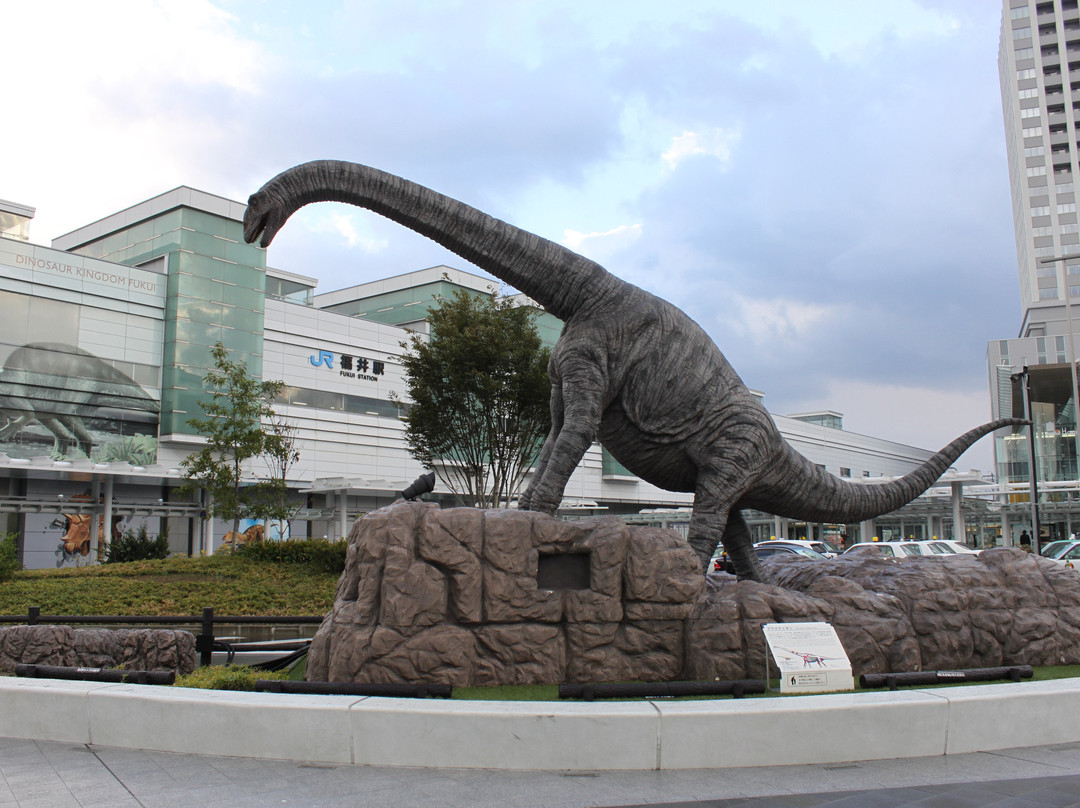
x,y
525,500
580,396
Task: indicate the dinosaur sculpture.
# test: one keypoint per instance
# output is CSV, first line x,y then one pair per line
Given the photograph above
x,y
252,534
630,369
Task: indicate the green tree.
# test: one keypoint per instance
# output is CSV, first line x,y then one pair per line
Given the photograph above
x,y
280,454
234,435
479,389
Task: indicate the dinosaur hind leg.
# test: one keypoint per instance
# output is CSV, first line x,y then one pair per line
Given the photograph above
x,y
740,547
716,521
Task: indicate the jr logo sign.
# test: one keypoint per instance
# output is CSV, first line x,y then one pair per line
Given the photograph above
x,y
324,358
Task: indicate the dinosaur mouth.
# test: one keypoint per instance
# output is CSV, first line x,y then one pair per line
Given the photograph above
x,y
254,224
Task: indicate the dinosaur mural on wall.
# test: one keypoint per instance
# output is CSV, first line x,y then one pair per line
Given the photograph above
x,y
61,387
630,369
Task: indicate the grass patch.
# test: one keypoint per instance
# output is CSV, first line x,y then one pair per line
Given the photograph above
x,y
232,584
1055,672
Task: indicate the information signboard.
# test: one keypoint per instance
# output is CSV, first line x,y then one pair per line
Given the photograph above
x,y
809,656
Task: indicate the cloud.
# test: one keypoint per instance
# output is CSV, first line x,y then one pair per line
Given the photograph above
x,y
715,142
774,321
598,245
346,226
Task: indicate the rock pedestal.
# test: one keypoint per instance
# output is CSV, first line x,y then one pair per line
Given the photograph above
x,y
468,597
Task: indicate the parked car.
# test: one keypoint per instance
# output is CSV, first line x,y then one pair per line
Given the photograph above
x,y
1067,554
1055,548
945,547
766,549
825,548
886,549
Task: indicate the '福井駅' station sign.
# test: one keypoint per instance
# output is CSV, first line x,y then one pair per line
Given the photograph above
x,y
350,366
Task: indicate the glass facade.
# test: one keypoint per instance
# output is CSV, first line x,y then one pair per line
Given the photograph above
x,y
1053,413
289,291
216,291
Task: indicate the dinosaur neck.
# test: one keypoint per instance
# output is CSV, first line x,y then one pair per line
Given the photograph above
x,y
812,493
560,280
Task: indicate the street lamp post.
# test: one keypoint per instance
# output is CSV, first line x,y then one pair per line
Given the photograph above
x,y
1025,380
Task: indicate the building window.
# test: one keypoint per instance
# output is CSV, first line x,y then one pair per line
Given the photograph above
x,y
1043,252
1037,171
1025,53
1035,151
1041,211
1021,33
1064,188
1067,207
1030,112
1020,13
1048,294
845,472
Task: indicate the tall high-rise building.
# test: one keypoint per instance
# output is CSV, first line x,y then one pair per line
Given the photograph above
x,y
1039,64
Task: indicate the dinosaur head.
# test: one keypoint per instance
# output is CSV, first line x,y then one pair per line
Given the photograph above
x,y
264,216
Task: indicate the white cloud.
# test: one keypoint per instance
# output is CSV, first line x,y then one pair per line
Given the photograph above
x,y
716,142
602,243
115,99
771,320
345,226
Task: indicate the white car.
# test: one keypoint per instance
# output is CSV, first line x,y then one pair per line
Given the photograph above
x,y
1066,553
945,547
887,549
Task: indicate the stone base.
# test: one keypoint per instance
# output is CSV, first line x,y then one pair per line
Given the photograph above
x,y
132,649
468,597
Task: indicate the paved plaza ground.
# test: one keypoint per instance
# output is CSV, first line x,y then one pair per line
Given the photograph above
x,y
37,774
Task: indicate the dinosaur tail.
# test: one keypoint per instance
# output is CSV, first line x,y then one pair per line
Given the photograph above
x,y
802,490
557,278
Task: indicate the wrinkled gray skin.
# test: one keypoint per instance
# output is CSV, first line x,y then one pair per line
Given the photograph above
x,y
58,386
630,370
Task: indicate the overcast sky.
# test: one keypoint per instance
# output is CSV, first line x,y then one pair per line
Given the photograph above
x,y
821,185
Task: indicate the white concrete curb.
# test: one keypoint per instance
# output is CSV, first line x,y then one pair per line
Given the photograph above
x,y
577,736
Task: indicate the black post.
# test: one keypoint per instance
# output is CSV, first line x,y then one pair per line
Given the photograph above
x,y
33,613
204,643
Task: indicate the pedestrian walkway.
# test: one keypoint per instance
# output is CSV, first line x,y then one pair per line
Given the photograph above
x,y
38,774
